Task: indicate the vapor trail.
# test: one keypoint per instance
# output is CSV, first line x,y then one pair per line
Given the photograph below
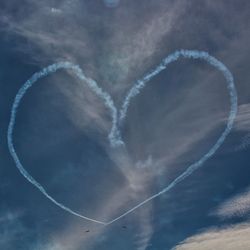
x,y
140,84
114,135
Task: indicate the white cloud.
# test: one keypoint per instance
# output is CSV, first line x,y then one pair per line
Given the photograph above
x,y
237,206
231,238
242,122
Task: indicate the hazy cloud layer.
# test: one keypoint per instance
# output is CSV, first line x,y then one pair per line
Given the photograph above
x,y
235,237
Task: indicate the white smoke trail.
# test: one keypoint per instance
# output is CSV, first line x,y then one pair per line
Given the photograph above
x,y
135,90
28,84
114,135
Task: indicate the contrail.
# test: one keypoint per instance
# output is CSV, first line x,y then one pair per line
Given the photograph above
x,y
22,91
114,135
192,54
140,84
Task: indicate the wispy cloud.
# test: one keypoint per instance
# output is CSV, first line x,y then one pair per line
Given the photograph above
x,y
115,48
230,238
13,231
237,206
242,125
242,122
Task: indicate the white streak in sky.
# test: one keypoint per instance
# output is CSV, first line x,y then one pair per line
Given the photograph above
x,y
114,135
22,91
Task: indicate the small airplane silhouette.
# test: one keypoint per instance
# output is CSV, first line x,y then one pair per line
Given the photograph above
x,y
124,227
87,231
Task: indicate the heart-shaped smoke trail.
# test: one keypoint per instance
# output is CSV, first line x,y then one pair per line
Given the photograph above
x,y
114,135
114,140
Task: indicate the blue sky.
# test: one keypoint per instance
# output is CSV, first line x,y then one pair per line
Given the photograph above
x,y
62,127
